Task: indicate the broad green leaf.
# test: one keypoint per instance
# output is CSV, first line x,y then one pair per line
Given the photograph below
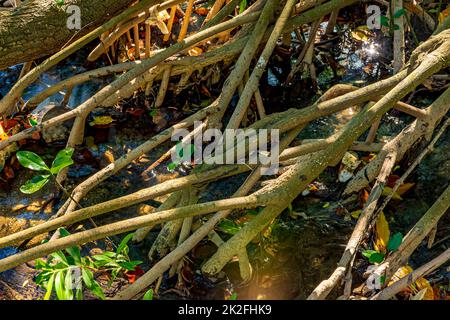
x,y
376,258
74,251
228,226
124,242
396,26
130,266
63,232
384,21
39,264
373,256
242,6
399,13
59,286
59,255
63,159
148,295
35,184
395,241
368,253
171,166
79,294
102,258
97,290
59,2
68,286
31,161
49,287
88,277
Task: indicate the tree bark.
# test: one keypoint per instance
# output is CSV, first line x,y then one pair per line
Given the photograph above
x,y
39,27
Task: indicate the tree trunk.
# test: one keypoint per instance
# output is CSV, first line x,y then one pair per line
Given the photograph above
x,y
39,27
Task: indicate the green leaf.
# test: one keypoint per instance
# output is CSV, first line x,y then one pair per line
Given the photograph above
x,y
373,256
74,251
59,287
31,161
242,6
171,166
102,258
32,122
63,159
35,184
97,290
229,226
59,255
399,13
49,287
39,264
234,296
384,21
377,257
368,253
88,277
396,26
59,2
130,266
79,294
68,286
124,242
395,241
148,295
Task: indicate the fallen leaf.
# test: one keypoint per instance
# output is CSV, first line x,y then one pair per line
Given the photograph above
x,y
405,188
418,286
195,52
356,214
364,196
101,121
387,191
424,284
3,134
202,11
443,14
362,33
382,233
9,173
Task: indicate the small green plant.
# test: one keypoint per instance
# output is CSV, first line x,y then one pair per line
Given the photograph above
x,y
67,272
116,262
57,274
389,21
34,162
378,257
